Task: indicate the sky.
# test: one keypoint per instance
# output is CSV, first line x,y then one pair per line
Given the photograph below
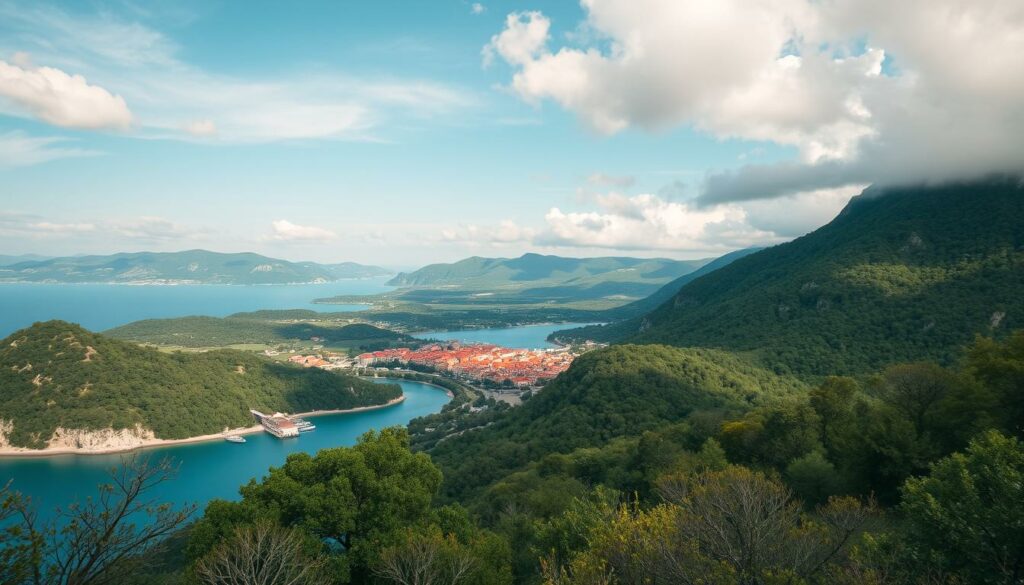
x,y
402,133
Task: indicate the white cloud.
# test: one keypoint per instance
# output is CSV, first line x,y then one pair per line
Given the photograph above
x,y
648,222
171,98
18,149
477,8
284,230
60,99
801,73
524,37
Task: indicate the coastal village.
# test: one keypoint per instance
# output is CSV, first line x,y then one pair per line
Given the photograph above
x,y
519,368
480,363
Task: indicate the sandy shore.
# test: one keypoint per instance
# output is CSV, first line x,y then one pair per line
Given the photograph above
x,y
149,443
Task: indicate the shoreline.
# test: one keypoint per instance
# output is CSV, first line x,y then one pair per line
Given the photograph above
x,y
15,452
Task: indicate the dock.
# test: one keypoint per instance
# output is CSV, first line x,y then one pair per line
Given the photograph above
x,y
277,424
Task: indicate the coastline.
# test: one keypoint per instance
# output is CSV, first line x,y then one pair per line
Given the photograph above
x,y
12,452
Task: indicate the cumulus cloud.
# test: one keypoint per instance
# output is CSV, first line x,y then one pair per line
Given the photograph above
x,y
286,231
648,222
58,98
477,8
524,38
18,149
867,91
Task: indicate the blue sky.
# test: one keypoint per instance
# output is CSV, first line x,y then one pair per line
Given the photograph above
x,y
379,132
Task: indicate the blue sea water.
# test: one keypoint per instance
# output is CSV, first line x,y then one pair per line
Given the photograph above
x,y
213,469
101,306
523,337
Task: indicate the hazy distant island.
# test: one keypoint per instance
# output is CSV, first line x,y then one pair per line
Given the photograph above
x,y
187,267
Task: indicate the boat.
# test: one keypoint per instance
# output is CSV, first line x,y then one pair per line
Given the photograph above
x,y
234,439
307,428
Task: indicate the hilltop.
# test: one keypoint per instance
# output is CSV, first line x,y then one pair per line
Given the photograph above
x,y
188,267
902,274
61,385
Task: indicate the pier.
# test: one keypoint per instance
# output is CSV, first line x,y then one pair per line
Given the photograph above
x,y
277,424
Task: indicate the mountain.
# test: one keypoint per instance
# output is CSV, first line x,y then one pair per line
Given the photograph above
x,y
539,280
63,385
189,267
531,270
7,260
902,274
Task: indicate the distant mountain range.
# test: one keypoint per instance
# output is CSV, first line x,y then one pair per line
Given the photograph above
x,y
902,274
7,260
188,267
536,278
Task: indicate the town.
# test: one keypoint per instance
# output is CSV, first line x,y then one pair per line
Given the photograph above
x,y
485,364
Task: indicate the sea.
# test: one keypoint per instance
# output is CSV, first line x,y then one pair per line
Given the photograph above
x,y
213,469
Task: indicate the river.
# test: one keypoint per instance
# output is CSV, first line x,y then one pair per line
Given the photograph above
x,y
213,469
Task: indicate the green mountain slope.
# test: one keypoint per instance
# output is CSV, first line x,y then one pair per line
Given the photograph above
x,y
56,374
535,270
901,274
614,392
192,266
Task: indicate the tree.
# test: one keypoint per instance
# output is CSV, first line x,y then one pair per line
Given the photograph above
x,y
734,526
358,499
95,542
1000,366
833,401
914,390
19,544
967,512
813,478
262,554
426,559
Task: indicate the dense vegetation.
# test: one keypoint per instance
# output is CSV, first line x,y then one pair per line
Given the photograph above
x,y
193,266
615,392
265,327
56,374
902,274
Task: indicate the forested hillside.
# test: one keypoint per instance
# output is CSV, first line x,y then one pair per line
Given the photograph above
x,y
56,374
615,392
901,274
259,327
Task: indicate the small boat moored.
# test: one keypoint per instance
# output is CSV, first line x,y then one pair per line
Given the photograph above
x,y
234,439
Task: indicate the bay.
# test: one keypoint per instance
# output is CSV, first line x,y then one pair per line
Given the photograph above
x,y
212,469
521,337
98,307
